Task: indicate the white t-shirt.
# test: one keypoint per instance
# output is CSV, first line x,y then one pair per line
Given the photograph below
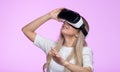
x,y
46,45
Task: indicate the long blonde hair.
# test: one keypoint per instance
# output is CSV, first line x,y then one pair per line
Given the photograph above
x,y
77,51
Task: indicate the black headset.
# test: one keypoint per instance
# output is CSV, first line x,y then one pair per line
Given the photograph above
x,y
74,19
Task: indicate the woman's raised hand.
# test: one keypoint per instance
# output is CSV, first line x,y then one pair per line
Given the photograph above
x,y
54,13
56,57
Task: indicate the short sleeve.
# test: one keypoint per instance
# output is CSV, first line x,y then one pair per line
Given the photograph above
x,y
43,43
87,57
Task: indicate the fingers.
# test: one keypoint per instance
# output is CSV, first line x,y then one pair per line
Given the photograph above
x,y
54,53
54,13
56,57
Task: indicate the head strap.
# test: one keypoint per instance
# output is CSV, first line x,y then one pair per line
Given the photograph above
x,y
82,28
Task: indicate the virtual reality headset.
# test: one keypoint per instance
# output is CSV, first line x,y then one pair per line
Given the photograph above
x,y
71,17
74,19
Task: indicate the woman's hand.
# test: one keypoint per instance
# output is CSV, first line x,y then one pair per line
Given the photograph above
x,y
72,67
56,57
54,13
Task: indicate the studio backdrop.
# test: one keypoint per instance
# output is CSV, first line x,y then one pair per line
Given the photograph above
x,y
18,54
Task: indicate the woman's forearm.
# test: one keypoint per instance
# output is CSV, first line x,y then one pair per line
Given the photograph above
x,y
75,68
29,29
32,26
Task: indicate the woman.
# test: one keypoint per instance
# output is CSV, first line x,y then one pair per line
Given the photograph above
x,y
70,53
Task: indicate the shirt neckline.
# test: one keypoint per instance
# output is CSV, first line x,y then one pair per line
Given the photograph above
x,y
67,47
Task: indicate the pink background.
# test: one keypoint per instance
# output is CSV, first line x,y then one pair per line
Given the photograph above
x,y
18,54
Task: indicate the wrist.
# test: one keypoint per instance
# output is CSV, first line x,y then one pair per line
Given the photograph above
x,y
49,16
66,63
53,16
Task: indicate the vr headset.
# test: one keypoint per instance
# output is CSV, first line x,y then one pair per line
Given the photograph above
x,y
74,19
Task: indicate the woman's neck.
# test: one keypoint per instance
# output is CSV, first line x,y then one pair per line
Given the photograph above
x,y
69,41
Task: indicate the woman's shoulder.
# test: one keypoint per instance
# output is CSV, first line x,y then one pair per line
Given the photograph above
x,y
87,49
44,43
42,39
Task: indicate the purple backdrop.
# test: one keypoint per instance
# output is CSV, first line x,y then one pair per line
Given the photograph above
x,y
18,54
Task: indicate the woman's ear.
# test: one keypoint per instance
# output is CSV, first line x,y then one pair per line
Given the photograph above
x,y
76,35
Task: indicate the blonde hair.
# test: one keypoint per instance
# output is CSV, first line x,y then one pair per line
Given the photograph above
x,y
77,51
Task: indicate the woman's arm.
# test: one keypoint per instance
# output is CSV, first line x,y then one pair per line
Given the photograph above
x,y
29,29
75,68
72,67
